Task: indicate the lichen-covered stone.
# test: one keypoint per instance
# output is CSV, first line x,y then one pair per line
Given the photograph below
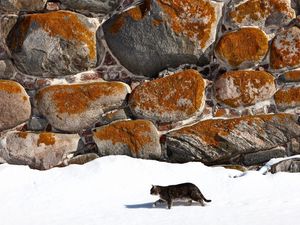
x,y
285,49
268,15
173,98
37,150
224,141
136,138
288,97
78,106
291,76
15,6
55,44
244,88
242,48
91,7
162,33
15,106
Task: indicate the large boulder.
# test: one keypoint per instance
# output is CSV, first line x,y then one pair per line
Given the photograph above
x,y
37,150
267,15
244,88
287,97
15,6
15,105
78,106
242,48
285,49
136,138
223,141
55,44
173,98
162,33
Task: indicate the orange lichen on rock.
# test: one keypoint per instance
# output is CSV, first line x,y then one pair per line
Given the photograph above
x,y
292,75
255,10
75,99
183,91
134,133
244,88
46,139
287,98
193,18
243,45
57,23
10,87
285,49
210,131
22,134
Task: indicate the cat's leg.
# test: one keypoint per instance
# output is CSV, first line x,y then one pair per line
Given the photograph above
x,y
169,203
190,201
160,201
197,197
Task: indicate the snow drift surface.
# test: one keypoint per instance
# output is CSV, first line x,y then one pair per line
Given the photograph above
x,y
116,190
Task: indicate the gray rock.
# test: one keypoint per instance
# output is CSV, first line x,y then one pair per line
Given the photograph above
x,y
263,156
82,159
55,44
21,5
224,141
15,105
148,38
7,70
136,138
289,165
37,150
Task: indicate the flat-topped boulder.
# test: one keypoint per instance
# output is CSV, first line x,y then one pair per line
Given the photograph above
x,y
173,98
287,97
285,49
136,138
78,106
267,15
55,44
37,150
163,33
224,141
15,6
244,88
15,107
242,48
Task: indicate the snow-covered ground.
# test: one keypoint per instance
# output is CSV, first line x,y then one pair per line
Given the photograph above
x,y
115,190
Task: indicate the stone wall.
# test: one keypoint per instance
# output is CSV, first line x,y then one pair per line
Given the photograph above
x,y
172,80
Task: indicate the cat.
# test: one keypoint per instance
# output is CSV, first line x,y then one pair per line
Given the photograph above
x,y
185,191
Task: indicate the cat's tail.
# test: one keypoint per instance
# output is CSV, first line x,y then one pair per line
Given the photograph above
x,y
206,200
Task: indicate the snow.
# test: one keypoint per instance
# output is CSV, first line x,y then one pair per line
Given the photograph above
x,y
115,190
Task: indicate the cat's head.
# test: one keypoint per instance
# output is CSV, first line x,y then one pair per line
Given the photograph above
x,y
155,190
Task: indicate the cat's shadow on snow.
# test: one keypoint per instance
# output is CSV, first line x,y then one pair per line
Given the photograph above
x,y
149,205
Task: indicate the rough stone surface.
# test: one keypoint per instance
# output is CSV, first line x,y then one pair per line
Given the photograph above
x,y
268,15
14,105
163,33
136,138
289,165
287,97
82,159
263,156
6,69
291,76
78,106
218,140
285,49
37,150
55,44
242,48
244,88
170,99
91,7
15,6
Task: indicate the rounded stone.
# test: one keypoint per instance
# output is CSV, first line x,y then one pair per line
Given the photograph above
x,y
160,34
78,106
15,6
173,98
244,88
136,138
242,48
15,105
55,44
288,97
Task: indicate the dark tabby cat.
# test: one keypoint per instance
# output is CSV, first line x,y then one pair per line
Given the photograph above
x,y
185,191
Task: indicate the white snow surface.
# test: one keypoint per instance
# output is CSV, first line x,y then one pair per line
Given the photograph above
x,y
115,190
